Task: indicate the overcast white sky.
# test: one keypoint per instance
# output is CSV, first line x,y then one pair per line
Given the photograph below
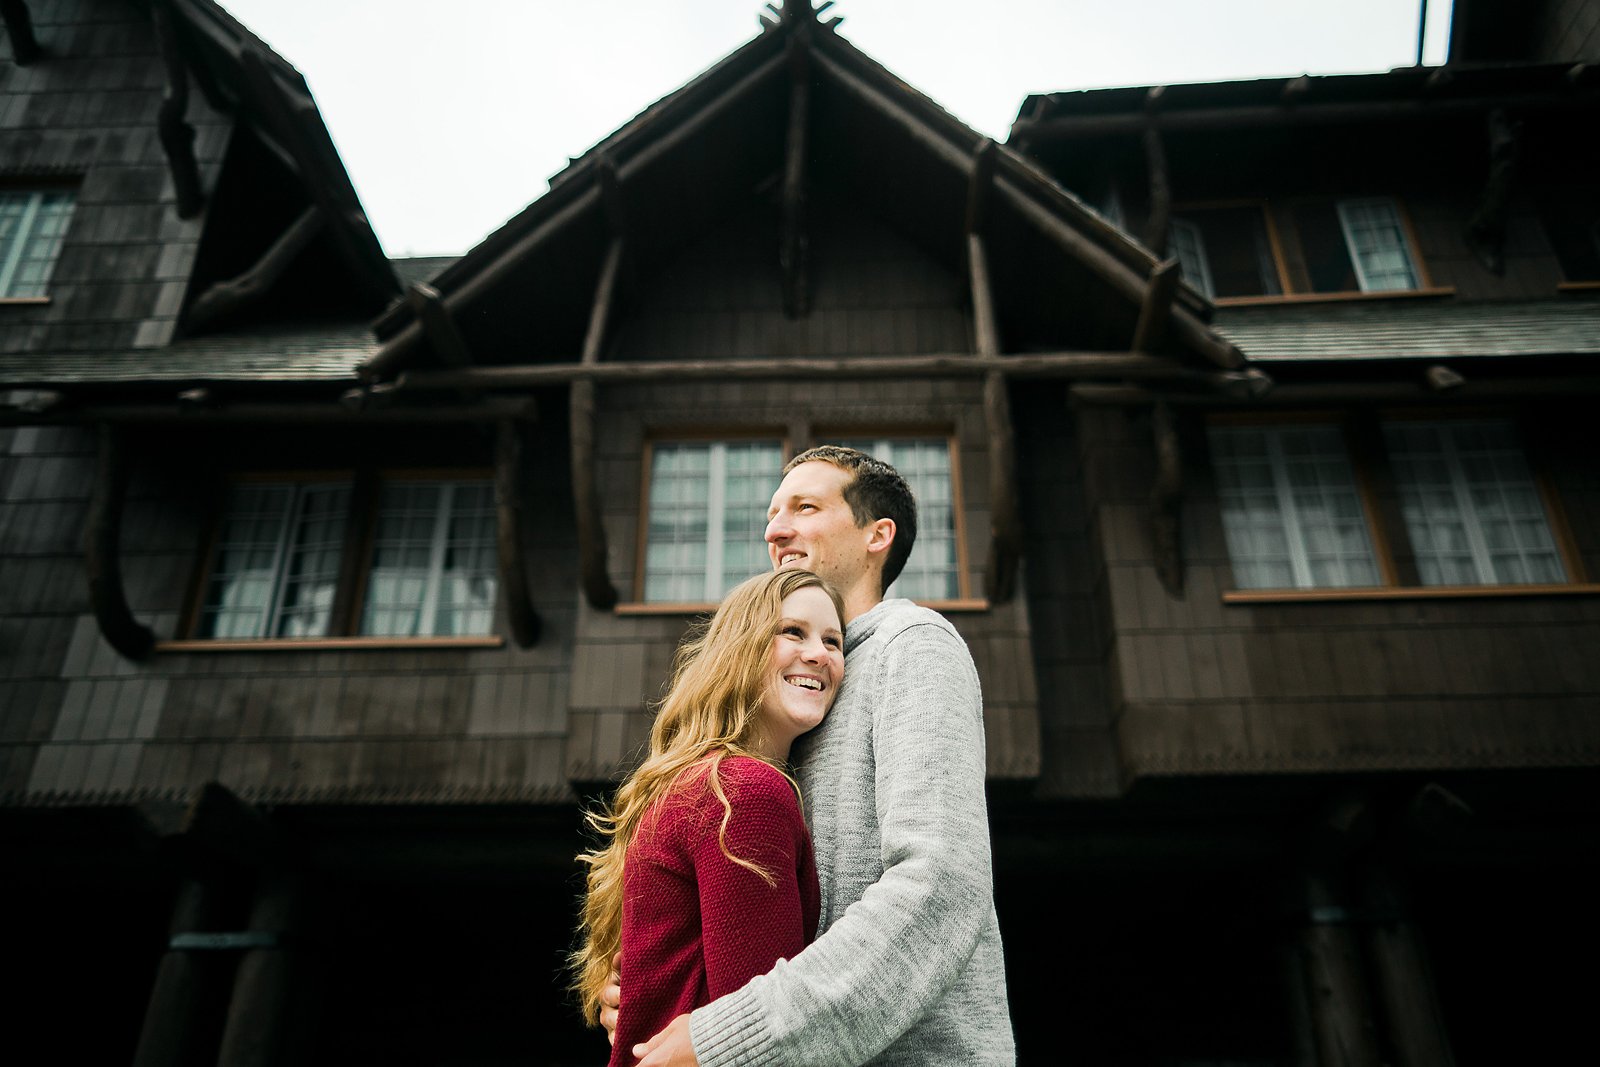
x,y
451,116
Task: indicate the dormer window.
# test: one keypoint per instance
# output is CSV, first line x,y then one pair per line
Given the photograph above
x,y
32,224
1360,245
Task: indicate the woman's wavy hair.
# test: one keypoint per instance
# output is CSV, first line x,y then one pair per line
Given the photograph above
x,y
710,712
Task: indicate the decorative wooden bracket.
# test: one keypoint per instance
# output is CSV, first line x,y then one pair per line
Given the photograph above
x,y
439,325
1166,500
1005,530
596,581
19,27
1155,155
508,503
102,557
1486,230
235,294
1156,307
177,136
792,243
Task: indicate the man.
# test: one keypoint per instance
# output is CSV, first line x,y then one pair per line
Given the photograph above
x,y
907,966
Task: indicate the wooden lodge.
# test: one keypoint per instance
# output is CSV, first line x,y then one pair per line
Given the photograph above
x,y
1251,428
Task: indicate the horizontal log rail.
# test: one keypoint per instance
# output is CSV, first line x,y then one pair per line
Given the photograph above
x,y
940,365
1335,393
310,411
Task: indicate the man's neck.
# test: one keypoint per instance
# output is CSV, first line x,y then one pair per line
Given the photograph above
x,y
862,599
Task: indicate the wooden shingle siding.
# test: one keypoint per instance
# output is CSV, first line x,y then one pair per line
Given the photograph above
x,y
1206,688
87,110
1569,30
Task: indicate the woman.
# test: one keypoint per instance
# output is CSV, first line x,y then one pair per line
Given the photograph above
x,y
708,878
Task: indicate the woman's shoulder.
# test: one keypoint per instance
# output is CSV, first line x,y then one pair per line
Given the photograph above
x,y
755,777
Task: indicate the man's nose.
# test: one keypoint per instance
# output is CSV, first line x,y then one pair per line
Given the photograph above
x,y
778,528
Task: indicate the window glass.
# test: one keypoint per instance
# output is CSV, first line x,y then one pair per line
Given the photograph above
x,y
434,567
1189,245
32,224
933,571
277,561
1291,508
1225,251
708,514
1379,248
1471,505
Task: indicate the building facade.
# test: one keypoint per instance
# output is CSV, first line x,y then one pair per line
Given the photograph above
x,y
1247,422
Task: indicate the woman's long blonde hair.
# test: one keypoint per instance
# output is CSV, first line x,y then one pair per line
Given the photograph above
x,y
710,712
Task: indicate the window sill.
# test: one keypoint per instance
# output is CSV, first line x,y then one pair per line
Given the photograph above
x,y
1577,287
1330,298
1421,592
23,301
326,644
971,604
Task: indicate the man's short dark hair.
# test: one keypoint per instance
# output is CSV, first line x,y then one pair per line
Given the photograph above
x,y
875,491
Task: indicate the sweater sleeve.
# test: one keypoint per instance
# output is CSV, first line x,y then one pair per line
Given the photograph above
x,y
746,924
894,953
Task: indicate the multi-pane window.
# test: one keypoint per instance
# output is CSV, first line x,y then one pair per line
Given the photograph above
x,y
1189,245
708,517
434,568
1472,508
1291,508
1380,252
1225,251
276,567
32,224
934,570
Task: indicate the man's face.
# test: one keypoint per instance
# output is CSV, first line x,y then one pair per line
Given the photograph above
x,y
810,526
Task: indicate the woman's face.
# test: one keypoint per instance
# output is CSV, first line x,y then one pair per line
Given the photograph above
x,y
807,668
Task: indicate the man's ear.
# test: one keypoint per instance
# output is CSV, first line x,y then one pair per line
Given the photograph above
x,y
881,535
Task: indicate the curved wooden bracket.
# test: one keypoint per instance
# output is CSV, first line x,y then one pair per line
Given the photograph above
x,y
234,294
596,581
19,27
102,557
1156,308
1485,233
1005,531
177,136
508,503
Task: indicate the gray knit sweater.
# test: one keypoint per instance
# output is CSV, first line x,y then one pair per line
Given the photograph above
x,y
907,966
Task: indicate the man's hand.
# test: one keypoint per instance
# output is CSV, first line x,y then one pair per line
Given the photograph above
x,y
670,1048
611,1000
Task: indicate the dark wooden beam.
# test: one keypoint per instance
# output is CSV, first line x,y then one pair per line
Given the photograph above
x,y
940,365
1485,232
593,574
344,616
177,136
1166,500
792,233
1341,1008
1005,523
102,553
19,27
492,410
256,1032
978,184
610,185
1160,220
508,503
1155,310
439,325
1266,116
1344,393
397,350
225,298
172,1017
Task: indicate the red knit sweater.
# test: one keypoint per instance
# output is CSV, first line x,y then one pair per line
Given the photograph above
x,y
696,925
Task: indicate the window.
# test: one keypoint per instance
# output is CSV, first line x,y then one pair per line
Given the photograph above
x,y
434,570
1472,508
1226,250
32,224
934,570
429,565
1379,249
1291,508
707,517
277,561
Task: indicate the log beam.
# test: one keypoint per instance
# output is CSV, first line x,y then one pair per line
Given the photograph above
x,y
1485,232
256,1031
1155,310
1005,525
593,575
438,325
1166,500
172,1023
978,185
177,136
1341,1009
792,240
19,27
508,541
492,410
1160,220
1343,393
102,553
224,298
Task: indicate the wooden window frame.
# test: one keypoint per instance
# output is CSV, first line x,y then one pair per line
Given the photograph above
x,y
353,570
637,606
40,185
1381,537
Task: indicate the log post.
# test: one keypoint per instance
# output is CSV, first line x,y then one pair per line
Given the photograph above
x,y
19,27
1486,229
1405,984
1156,308
102,554
254,1033
234,294
1155,157
1166,500
508,540
1005,530
1341,1011
172,1017
595,579
344,616
177,136
793,244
